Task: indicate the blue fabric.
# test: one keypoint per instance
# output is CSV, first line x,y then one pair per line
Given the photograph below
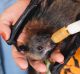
x,y
8,64
5,4
1,70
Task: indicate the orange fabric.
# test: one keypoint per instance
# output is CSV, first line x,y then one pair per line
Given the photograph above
x,y
73,66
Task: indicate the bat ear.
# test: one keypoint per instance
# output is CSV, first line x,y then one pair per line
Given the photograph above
x,y
78,17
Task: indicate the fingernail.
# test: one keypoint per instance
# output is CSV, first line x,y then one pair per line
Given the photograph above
x,y
3,35
61,62
24,66
42,69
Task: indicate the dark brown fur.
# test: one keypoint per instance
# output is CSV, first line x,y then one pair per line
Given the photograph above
x,y
52,15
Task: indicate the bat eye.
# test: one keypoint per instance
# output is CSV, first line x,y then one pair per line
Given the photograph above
x,y
39,48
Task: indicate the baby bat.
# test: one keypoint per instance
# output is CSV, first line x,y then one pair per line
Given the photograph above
x,y
49,17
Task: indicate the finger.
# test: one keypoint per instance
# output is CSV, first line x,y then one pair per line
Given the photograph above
x,y
39,66
5,31
56,56
19,58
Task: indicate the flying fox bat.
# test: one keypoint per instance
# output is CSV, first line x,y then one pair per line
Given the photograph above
x,y
47,17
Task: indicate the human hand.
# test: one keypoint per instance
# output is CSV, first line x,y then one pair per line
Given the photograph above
x,y
8,18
